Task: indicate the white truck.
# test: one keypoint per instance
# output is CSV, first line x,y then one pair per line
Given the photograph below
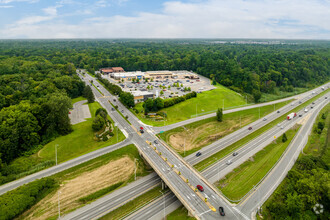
x,y
291,115
306,110
322,87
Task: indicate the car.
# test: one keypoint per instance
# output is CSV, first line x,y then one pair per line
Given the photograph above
x,y
282,127
325,97
155,141
229,162
141,128
141,131
265,119
69,112
312,107
97,86
235,153
250,128
278,111
122,111
278,125
114,100
198,154
221,211
112,109
291,104
200,188
313,103
299,102
300,115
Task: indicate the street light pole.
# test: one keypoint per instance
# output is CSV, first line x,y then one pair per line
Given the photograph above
x,y
56,153
164,203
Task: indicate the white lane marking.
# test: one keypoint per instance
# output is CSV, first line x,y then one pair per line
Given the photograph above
x,y
188,197
213,196
241,213
204,212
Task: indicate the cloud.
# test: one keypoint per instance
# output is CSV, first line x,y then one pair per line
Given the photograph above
x,y
11,1
52,10
6,6
197,19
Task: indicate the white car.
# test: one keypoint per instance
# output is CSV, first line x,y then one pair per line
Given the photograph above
x,y
229,162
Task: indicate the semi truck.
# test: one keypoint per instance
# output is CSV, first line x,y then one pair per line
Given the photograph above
x,y
291,115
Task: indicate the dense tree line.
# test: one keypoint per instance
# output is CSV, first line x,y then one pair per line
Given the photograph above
x,y
244,68
15,202
34,103
175,100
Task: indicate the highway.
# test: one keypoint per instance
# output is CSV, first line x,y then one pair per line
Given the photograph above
x,y
145,177
220,169
193,201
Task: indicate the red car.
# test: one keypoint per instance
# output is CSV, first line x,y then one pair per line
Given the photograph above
x,y
141,128
200,188
250,128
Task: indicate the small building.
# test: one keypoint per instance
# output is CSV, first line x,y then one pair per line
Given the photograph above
x,y
109,70
141,96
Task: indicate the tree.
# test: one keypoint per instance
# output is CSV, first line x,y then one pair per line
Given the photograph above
x,y
256,95
219,114
102,112
161,92
98,123
88,94
284,138
158,104
320,125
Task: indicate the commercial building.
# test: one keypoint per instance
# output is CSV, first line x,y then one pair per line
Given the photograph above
x,y
109,70
141,96
159,74
128,75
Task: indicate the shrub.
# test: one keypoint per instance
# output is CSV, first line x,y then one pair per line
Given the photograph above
x,y
105,138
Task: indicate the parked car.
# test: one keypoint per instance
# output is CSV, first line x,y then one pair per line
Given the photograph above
x,y
221,211
250,128
198,154
200,188
229,162
69,112
235,153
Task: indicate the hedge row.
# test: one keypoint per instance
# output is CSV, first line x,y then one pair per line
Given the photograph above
x,y
17,201
173,101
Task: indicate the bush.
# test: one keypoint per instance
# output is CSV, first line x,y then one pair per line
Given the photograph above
x,y
105,138
98,123
17,201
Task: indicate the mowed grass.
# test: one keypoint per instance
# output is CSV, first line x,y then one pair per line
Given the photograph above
x,y
243,178
78,99
219,155
180,213
131,206
316,142
202,133
78,142
206,102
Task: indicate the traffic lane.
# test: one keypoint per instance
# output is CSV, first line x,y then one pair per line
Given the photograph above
x,y
269,185
62,166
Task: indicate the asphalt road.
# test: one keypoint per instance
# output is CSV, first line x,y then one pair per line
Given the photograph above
x,y
137,188
180,188
220,169
188,121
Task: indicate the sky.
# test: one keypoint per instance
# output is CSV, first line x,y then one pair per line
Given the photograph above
x,y
265,19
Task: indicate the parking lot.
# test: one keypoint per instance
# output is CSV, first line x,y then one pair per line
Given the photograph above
x,y
167,87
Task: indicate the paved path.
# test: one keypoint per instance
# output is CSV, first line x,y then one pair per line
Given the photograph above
x,y
79,112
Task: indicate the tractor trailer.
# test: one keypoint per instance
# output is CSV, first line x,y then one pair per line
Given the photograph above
x,y
291,115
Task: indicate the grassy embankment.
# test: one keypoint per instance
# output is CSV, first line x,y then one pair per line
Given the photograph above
x,y
244,177
180,213
86,182
77,143
202,133
80,141
266,97
219,155
134,204
317,147
78,99
206,102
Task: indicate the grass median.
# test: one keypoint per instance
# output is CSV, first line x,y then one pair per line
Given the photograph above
x,y
204,132
180,213
221,154
243,178
133,205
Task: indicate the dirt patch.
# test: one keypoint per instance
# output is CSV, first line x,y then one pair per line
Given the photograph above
x,y
203,135
83,185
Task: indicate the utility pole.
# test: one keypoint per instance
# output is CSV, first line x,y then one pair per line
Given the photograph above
x,y
56,153
59,207
164,203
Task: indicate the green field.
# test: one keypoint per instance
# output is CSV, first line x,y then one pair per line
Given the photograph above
x,y
180,213
217,156
136,203
206,102
89,166
78,142
80,98
202,133
243,178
